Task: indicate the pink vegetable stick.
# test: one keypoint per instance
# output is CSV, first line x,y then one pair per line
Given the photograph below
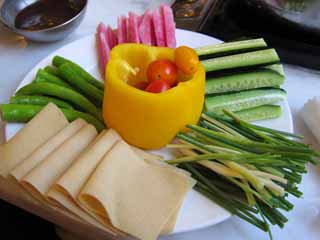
x,y
103,47
101,28
122,30
115,32
169,25
103,51
112,38
140,19
128,30
133,27
152,33
146,28
110,35
158,24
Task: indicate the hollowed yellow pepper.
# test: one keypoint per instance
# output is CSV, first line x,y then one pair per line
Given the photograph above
x,y
143,119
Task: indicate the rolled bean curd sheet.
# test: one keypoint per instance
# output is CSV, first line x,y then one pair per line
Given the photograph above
x,y
43,151
65,191
129,192
35,133
39,180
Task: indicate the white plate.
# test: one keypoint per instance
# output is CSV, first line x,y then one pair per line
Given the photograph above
x,y
197,211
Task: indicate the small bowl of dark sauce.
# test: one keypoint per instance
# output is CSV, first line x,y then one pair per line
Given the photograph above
x,y
43,20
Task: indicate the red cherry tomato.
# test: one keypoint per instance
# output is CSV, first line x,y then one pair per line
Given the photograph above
x,y
164,70
158,86
141,85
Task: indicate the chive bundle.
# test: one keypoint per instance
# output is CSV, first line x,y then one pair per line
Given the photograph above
x,y
247,169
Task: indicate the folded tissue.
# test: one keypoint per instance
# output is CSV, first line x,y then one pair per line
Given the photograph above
x,y
311,116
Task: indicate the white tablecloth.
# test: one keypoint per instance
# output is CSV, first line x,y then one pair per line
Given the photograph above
x,y
17,57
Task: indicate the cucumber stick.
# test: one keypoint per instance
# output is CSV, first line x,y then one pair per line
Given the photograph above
x,y
243,100
275,67
231,47
260,113
243,81
243,60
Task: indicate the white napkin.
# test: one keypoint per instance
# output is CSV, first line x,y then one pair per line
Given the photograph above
x,y
311,116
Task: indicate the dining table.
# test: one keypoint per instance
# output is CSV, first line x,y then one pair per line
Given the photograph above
x,y
18,56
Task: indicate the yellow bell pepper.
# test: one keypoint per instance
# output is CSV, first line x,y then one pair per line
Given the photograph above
x,y
144,119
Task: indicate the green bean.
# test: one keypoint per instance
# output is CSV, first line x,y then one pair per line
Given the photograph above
x,y
52,70
58,61
24,113
73,115
70,74
54,90
43,76
39,100
55,72
18,112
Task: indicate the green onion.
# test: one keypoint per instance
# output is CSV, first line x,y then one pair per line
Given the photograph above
x,y
247,169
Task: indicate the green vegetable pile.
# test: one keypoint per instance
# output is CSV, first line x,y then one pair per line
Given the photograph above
x,y
247,169
66,84
243,77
